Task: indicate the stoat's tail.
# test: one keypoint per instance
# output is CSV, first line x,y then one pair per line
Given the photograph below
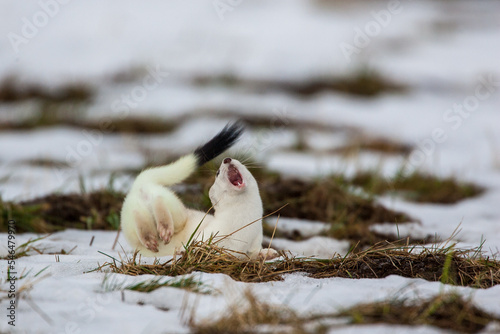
x,y
179,170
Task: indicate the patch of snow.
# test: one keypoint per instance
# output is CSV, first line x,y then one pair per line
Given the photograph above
x,y
414,230
305,228
322,247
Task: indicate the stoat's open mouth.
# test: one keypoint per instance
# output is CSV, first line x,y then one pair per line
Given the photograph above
x,y
234,176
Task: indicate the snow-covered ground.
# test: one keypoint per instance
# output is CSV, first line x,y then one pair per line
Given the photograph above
x,y
446,52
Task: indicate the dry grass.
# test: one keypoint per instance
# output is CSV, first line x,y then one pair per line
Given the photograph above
x,y
11,90
56,114
362,83
130,125
456,267
418,187
379,145
98,210
247,316
251,315
45,163
447,311
66,106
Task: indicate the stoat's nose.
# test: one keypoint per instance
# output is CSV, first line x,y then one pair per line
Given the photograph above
x,y
227,160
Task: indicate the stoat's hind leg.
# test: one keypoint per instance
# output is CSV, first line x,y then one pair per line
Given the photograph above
x,y
177,211
146,230
163,219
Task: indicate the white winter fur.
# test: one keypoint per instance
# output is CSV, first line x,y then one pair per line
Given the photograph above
x,y
153,217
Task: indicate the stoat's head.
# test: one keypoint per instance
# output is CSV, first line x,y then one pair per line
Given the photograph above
x,y
232,181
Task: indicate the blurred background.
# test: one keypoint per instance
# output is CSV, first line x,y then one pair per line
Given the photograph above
x,y
95,88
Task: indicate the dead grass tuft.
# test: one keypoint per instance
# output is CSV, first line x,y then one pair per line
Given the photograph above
x,y
203,257
456,267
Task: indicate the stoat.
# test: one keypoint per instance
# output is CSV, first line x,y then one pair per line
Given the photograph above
x,y
156,222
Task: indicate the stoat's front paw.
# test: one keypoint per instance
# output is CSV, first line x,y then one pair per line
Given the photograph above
x,y
151,243
268,254
165,232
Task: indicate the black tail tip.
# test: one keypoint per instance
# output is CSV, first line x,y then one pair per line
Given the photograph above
x,y
226,138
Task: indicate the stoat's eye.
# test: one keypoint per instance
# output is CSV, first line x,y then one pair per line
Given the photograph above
x,y
217,174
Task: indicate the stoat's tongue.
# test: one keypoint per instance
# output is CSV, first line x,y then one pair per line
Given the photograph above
x,y
234,176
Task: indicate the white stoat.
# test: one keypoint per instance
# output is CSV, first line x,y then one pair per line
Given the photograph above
x,y
156,222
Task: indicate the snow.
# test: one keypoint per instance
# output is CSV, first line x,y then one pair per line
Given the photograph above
x,y
306,228
443,51
321,247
